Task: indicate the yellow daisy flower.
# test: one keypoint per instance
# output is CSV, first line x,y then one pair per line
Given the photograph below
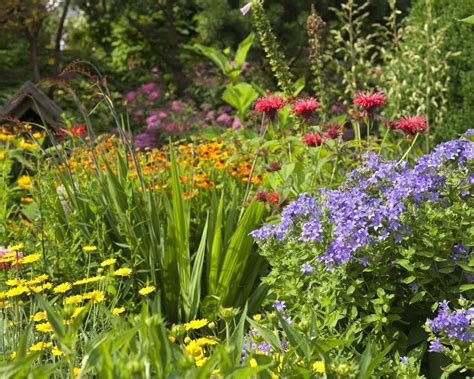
x,y
40,346
253,363
30,258
74,299
17,291
88,280
24,182
318,366
56,352
195,351
45,327
62,288
124,271
17,247
196,324
117,311
203,341
37,280
147,290
14,282
39,316
94,296
108,262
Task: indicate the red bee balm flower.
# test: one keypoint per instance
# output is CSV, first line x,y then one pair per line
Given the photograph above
x,y
273,198
270,105
305,107
333,131
262,196
369,101
412,125
312,139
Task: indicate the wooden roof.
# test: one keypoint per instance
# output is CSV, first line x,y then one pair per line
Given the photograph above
x,y
30,98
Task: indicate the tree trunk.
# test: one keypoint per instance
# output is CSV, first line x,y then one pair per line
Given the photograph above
x,y
59,36
33,42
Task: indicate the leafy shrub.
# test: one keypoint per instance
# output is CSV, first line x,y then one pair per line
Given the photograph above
x,y
380,249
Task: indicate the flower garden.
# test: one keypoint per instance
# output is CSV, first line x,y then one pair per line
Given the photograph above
x,y
252,224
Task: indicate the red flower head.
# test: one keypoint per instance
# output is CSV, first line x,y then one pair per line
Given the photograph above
x,y
305,107
262,196
76,131
270,105
79,130
369,101
312,139
390,124
333,131
273,198
274,166
412,125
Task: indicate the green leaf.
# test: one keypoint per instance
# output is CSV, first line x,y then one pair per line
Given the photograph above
x,y
219,59
196,275
299,85
242,50
469,20
214,260
240,96
466,287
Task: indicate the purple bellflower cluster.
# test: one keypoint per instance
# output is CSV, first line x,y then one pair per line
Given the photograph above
x,y
369,206
451,324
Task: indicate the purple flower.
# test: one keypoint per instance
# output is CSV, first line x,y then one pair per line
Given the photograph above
x,y
279,305
246,8
145,140
306,268
154,95
459,252
225,119
149,87
177,106
454,324
236,123
436,346
130,96
287,319
371,205
404,360
414,287
264,347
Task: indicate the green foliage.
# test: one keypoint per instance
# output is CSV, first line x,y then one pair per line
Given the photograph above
x,y
460,95
415,74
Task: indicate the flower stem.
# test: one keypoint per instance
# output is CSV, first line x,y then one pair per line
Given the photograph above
x,y
263,131
383,140
409,149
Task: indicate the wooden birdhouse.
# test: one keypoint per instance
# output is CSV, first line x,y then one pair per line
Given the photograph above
x,y
30,104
